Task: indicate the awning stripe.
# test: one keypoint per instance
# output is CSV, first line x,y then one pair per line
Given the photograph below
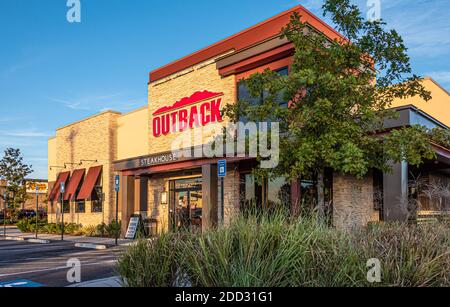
x,y
89,183
74,183
55,194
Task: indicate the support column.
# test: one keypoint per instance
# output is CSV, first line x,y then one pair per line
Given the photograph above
x,y
126,200
395,187
296,197
210,196
140,195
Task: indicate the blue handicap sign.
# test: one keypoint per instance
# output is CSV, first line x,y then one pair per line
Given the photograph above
x,y
21,283
222,168
117,183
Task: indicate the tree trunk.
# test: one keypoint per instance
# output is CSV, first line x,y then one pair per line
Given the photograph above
x,y
321,195
296,197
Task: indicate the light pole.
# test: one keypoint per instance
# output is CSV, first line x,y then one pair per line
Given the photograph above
x,y
62,191
37,210
4,214
117,187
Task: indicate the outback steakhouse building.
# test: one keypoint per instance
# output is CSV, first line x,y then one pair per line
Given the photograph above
x,y
170,191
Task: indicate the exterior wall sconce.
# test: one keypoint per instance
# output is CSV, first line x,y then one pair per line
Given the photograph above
x,y
92,161
55,167
164,198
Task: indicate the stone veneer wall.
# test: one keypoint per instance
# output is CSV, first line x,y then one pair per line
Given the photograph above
x,y
94,138
231,196
353,201
156,210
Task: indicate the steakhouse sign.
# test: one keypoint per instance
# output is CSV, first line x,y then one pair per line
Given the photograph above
x,y
198,110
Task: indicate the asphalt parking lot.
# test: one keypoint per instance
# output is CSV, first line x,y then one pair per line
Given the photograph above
x,y
46,265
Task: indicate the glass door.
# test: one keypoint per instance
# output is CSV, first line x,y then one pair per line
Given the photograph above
x,y
186,205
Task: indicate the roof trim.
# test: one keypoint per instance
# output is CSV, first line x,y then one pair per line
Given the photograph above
x,y
89,118
437,84
233,42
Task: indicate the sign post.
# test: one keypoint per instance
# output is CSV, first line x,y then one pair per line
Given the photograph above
x,y
222,173
117,187
5,195
37,211
62,190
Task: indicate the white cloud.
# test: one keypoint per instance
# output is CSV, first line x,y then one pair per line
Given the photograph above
x,y
25,133
101,103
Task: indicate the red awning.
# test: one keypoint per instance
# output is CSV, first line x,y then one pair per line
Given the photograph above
x,y
89,183
74,183
55,194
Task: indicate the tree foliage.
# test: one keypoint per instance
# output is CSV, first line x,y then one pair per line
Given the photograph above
x,y
14,171
340,92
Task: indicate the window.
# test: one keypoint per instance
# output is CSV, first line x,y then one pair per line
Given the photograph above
x,y
66,206
274,193
97,206
97,197
245,95
80,206
279,192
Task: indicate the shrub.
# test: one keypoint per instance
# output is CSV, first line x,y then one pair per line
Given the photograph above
x,y
276,251
90,231
151,263
113,229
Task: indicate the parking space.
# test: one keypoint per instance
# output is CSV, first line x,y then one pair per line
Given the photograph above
x,y
26,264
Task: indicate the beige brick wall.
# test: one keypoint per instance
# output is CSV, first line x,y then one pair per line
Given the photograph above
x,y
94,138
353,201
166,92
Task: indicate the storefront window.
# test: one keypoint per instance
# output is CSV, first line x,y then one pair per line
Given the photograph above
x,y
251,192
279,192
97,206
97,197
80,207
271,194
66,206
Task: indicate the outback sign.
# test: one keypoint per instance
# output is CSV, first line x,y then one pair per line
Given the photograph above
x,y
199,109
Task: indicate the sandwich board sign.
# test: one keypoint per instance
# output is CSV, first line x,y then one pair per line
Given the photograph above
x,y
132,228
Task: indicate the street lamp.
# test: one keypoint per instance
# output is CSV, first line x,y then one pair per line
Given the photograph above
x,y
4,214
117,189
62,190
37,210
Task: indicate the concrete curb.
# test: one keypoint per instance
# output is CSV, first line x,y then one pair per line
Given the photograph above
x,y
38,241
14,239
91,246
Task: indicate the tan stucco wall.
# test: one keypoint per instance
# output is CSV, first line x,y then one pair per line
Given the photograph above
x,y
52,173
438,107
94,138
166,92
132,134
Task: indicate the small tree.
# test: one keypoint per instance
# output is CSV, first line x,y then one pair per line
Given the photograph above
x,y
339,94
13,171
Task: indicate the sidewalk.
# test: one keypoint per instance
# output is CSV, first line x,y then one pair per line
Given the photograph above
x,y
15,233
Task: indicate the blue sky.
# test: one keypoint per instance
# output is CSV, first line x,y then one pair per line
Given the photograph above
x,y
53,73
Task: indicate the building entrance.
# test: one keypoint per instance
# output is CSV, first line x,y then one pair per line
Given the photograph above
x,y
186,204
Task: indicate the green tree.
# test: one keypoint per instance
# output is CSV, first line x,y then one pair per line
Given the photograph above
x,y
340,91
14,172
